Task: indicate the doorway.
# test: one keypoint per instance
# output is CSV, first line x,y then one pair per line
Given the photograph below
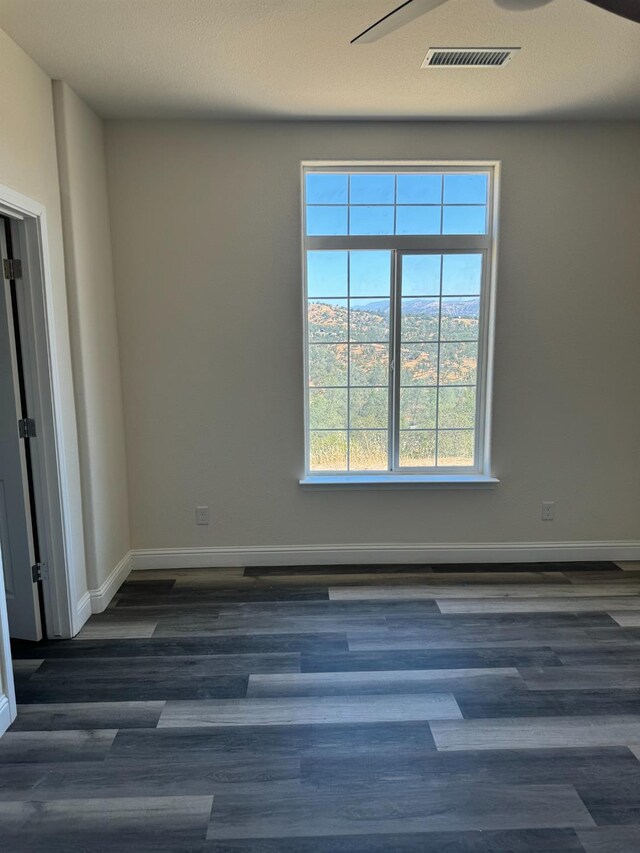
x,y
22,563
47,587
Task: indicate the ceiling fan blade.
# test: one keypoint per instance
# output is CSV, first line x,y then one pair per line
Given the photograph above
x,y
521,5
625,8
404,14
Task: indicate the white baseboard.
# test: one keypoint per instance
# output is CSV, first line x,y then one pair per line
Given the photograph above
x,y
101,596
318,555
5,714
83,612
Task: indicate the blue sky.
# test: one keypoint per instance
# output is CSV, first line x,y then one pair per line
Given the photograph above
x,y
360,204
370,271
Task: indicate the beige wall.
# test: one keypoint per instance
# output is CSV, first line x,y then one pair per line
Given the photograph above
x,y
94,338
28,165
205,222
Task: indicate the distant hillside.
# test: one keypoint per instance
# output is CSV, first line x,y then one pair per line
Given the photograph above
x,y
465,306
365,366
370,322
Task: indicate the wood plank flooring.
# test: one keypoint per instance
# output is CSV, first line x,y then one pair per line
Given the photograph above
x,y
346,709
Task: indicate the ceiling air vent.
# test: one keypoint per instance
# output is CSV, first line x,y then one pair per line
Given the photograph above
x,y
468,57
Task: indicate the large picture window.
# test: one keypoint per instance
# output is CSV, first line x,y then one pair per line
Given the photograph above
x,y
397,290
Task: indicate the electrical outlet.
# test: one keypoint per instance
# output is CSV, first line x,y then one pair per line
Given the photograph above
x,y
202,515
548,510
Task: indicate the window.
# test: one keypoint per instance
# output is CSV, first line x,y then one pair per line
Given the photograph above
x,y
397,278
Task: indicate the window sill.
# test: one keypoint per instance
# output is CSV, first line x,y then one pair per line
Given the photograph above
x,y
399,481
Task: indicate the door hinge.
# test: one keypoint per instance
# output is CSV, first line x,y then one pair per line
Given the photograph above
x,y
39,572
27,428
12,268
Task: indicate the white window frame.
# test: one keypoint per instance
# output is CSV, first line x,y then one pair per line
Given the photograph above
x,y
478,476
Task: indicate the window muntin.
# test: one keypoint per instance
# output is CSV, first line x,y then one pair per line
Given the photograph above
x,y
396,271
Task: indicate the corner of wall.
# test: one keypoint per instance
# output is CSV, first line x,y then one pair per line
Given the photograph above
x,y
94,336
102,595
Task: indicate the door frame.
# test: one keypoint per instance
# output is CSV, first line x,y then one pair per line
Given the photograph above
x,y
49,386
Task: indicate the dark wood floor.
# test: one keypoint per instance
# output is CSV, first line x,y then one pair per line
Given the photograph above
x,y
459,709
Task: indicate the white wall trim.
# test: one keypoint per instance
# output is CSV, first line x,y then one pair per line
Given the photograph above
x,y
5,714
293,555
83,610
101,596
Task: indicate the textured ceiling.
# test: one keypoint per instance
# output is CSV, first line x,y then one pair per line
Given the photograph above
x,y
292,59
